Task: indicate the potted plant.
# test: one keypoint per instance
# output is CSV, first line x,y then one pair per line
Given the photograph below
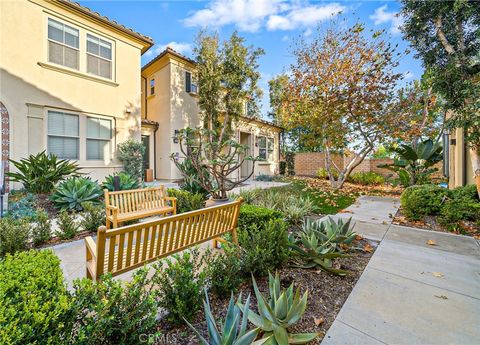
x,y
227,79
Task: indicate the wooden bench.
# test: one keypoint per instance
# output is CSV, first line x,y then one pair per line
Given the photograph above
x,y
134,204
120,250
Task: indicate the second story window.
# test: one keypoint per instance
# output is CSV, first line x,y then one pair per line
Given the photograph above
x,y
191,85
63,44
152,87
99,57
63,135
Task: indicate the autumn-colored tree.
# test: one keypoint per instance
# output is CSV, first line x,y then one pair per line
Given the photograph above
x,y
446,36
227,74
340,88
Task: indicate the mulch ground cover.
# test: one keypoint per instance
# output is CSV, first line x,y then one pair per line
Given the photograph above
x,y
327,294
431,223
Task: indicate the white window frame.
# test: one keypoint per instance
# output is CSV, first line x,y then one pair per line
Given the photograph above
x,y
100,38
63,44
269,153
78,137
109,140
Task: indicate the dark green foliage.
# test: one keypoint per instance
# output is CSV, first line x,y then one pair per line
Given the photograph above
x,y
25,207
469,192
187,201
419,201
39,173
71,193
290,161
191,177
224,270
14,235
35,307
113,312
67,226
41,228
251,215
178,286
283,167
414,163
130,153
93,216
127,182
459,209
264,246
264,178
367,178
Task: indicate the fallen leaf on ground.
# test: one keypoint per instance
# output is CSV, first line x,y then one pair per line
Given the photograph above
x,y
367,248
431,243
345,211
438,274
318,321
359,237
441,296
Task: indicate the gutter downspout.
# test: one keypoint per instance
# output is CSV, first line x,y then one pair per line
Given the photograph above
x,y
155,152
145,95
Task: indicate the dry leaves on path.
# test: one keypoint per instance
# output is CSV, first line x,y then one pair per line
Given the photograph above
x,y
438,274
431,243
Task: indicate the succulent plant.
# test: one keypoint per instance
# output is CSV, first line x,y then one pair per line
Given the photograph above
x,y
331,233
283,309
234,330
74,191
127,182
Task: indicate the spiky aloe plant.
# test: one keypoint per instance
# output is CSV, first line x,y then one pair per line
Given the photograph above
x,y
310,249
283,309
330,233
234,330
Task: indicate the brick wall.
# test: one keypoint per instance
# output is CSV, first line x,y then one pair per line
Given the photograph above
x,y
308,163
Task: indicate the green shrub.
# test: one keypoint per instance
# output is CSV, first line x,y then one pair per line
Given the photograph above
x,y
127,182
67,226
367,178
420,201
290,163
264,246
264,178
41,229
251,215
25,207
112,311
130,153
191,177
469,192
71,193
35,307
295,208
93,216
224,270
322,173
187,201
282,167
178,285
39,173
14,235
249,196
459,209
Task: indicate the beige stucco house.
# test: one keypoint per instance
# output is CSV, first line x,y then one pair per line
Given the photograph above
x,y
170,103
457,160
70,83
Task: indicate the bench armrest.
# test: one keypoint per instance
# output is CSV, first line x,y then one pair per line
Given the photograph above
x,y
173,200
91,247
111,209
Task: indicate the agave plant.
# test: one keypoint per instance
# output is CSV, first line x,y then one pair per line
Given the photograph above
x,y
127,182
414,163
234,330
284,308
313,249
71,193
335,234
39,173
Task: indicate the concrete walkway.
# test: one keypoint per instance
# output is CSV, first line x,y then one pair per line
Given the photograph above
x,y
411,292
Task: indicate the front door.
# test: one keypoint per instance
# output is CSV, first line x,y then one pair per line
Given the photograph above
x,y
246,168
146,154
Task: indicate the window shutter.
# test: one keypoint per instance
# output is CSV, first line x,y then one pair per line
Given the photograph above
x,y
188,82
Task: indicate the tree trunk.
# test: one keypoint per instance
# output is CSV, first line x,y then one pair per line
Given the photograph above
x,y
475,157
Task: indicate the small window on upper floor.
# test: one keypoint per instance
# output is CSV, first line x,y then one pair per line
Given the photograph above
x,y
63,45
99,57
191,85
152,87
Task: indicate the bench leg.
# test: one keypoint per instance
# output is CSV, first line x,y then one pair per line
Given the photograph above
x,y
214,243
89,275
108,224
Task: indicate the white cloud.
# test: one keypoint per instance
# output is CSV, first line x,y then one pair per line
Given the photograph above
x,y
382,16
181,47
408,75
252,15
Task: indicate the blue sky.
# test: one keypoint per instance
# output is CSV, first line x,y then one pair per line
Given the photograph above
x,y
270,24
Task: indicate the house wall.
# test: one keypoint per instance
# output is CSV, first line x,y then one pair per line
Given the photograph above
x,y
460,163
30,85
